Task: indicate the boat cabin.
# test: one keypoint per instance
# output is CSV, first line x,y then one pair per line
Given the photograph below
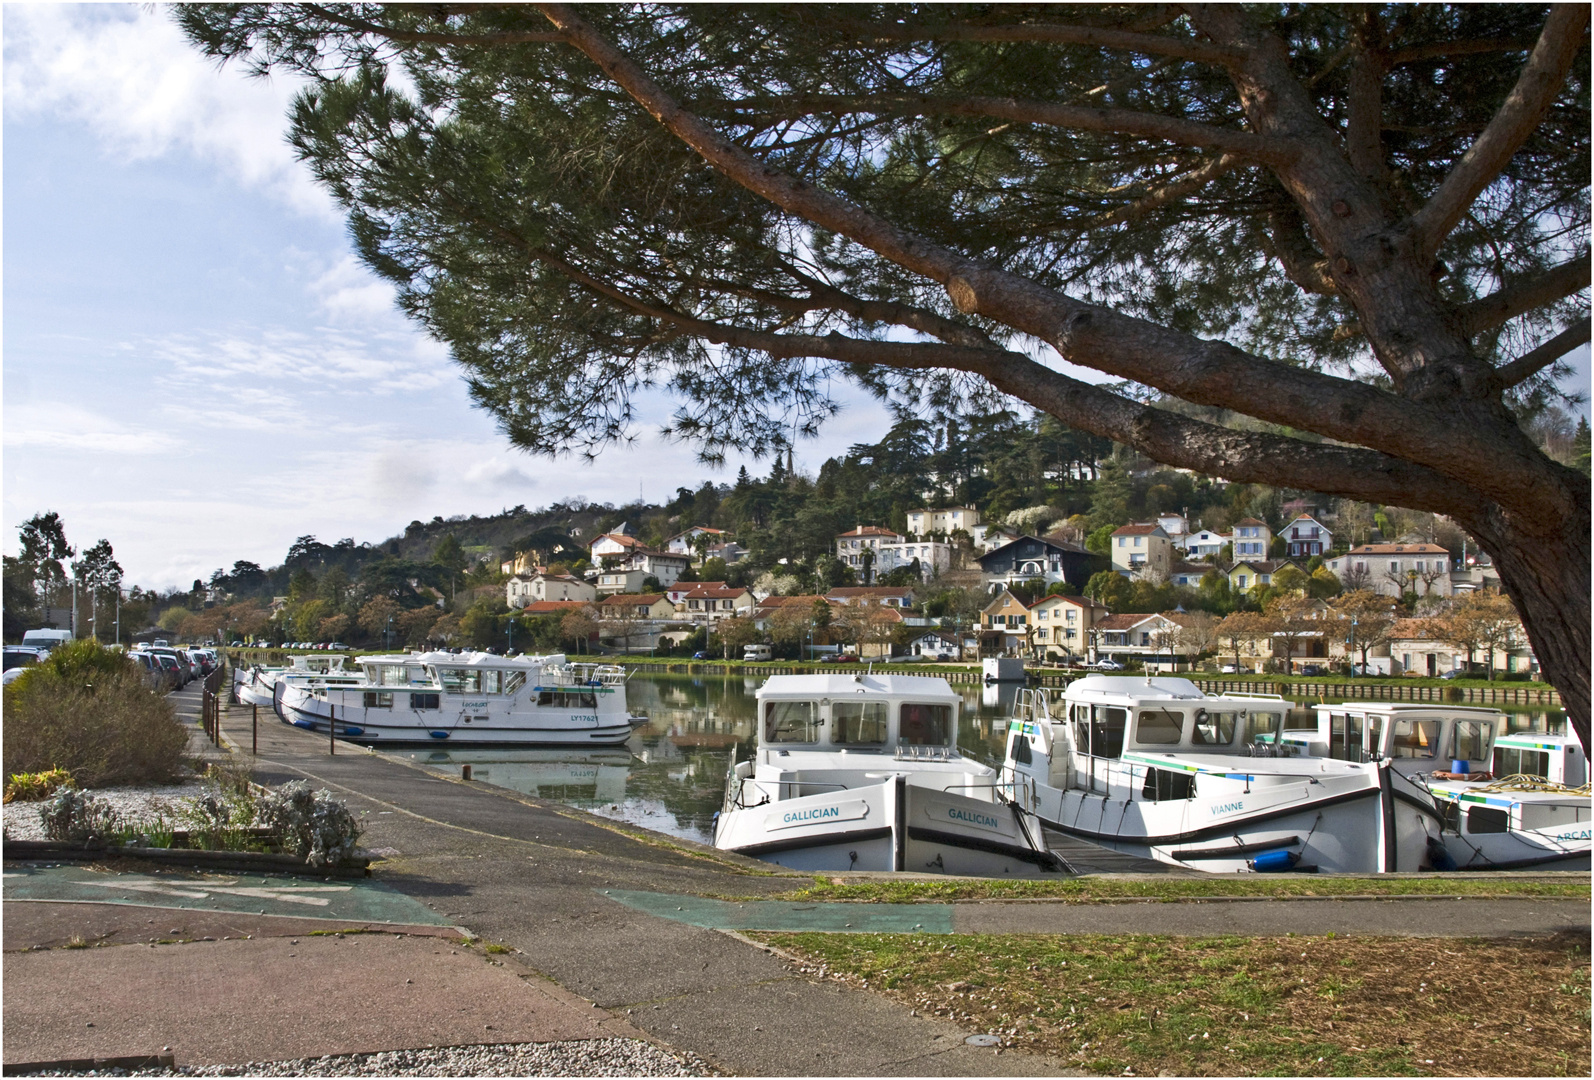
x,y
1426,737
1557,759
905,714
1108,715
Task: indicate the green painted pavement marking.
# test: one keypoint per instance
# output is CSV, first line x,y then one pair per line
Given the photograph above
x,y
243,894
788,915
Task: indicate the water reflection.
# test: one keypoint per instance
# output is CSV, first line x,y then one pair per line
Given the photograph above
x,y
670,777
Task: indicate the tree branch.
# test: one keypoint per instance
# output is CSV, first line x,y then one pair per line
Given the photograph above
x,y
1438,49
1302,262
1531,363
432,37
1521,297
1364,105
1202,372
1177,188
1531,97
1072,117
1054,34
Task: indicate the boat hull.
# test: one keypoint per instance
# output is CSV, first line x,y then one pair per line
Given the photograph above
x,y
303,709
887,826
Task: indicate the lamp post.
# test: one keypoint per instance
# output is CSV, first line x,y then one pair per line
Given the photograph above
x,y
387,634
511,632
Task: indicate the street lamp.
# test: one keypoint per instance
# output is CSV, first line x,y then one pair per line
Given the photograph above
x,y
387,635
511,632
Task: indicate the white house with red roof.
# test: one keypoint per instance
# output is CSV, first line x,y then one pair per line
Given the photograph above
x,y
522,591
685,543
1394,569
710,602
1305,536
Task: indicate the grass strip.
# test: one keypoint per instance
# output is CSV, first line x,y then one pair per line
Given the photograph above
x,y
1095,890
1240,1006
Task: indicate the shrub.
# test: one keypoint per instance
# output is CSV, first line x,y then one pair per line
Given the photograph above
x,y
218,820
314,826
32,787
86,709
71,816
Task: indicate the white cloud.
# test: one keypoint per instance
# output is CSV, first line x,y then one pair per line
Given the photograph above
x,y
128,74
74,429
348,292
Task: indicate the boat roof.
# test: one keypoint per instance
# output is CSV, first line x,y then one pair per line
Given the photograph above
x,y
1135,687
440,658
857,683
1467,712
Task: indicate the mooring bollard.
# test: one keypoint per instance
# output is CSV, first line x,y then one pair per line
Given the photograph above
x,y
464,772
332,727
254,729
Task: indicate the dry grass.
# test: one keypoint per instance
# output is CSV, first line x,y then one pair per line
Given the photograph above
x,y
1291,1006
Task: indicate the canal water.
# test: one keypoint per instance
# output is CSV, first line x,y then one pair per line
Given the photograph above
x,y
670,776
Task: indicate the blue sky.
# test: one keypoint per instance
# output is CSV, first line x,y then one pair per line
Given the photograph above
x,y
195,366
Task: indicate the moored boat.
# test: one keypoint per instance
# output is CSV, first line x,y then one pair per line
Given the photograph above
x,y
862,772
473,698
1154,767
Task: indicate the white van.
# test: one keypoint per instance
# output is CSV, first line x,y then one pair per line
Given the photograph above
x,y
757,652
46,639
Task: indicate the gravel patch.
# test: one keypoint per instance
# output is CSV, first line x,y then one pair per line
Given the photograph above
x,y
583,1057
135,805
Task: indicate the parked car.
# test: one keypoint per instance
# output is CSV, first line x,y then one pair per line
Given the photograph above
x,y
844,658
1229,669
1105,664
1311,669
18,660
338,646
702,655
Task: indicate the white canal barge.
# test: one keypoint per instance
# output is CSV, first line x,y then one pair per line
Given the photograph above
x,y
862,772
1156,768
1466,794
254,684
469,698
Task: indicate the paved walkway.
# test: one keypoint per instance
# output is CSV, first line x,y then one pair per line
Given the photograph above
x,y
585,905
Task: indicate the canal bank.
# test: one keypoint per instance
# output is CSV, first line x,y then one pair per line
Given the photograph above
x,y
584,905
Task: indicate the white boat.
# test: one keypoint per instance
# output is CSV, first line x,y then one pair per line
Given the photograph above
x,y
1520,801
1154,767
254,684
862,772
471,698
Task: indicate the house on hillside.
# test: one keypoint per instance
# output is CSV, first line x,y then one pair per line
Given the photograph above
x,y
937,643
988,538
709,603
861,546
1305,536
1030,558
1394,569
619,580
1142,551
636,621
1251,539
1250,574
766,608
1204,544
730,552
685,543
1189,574
922,523
1004,626
1062,624
522,591
612,545
1153,640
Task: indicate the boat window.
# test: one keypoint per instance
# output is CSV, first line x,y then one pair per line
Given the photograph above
x,y
924,725
1164,784
513,681
1081,718
460,680
378,699
1107,723
489,682
416,675
859,723
1159,726
1214,728
1487,819
390,675
567,699
791,721
1509,761
1300,720
1020,751
1473,739
1344,737
1415,739
425,701
1260,727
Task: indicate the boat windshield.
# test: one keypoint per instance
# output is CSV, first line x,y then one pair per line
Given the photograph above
x,y
1261,727
858,723
1473,740
1214,727
1159,727
924,725
1415,739
791,722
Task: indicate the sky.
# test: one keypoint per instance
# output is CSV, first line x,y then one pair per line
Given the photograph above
x,y
196,367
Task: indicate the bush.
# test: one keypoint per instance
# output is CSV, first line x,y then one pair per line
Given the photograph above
x,y
36,786
314,826
77,817
86,709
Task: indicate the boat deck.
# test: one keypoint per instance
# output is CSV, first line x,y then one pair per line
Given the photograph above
x,y
1088,858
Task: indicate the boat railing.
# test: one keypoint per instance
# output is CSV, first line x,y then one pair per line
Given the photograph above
x,y
610,675
914,752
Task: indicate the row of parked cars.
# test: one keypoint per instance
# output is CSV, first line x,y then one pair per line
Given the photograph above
x,y
167,667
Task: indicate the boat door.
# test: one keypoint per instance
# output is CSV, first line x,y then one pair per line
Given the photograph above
x,y
1098,732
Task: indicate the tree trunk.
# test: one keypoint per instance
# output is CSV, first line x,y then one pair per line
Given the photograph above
x,y
1547,577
